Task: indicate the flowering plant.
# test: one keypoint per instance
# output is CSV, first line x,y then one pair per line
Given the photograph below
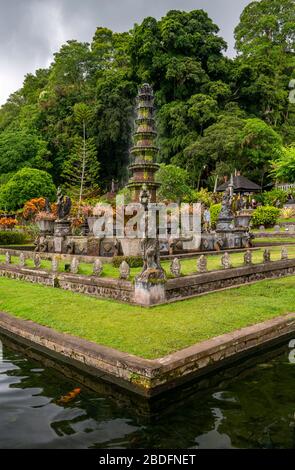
x,y
42,215
6,222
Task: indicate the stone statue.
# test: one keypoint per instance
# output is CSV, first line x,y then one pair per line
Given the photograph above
x,y
22,260
124,270
64,205
150,247
97,267
47,207
7,257
248,258
54,264
41,245
266,256
74,266
284,253
37,261
70,247
226,202
175,267
225,261
202,264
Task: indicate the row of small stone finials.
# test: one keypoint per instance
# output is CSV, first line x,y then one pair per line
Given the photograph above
x,y
175,267
73,267
124,269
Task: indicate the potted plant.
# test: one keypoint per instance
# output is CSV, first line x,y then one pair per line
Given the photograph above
x,y
45,221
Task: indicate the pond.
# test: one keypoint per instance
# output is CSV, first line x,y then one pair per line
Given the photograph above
x,y
44,404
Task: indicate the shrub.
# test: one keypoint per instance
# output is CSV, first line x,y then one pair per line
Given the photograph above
x,y
287,213
275,197
133,261
214,213
26,184
265,215
12,238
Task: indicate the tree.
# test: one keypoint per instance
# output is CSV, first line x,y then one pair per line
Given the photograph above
x,y
81,170
27,183
21,149
174,183
265,39
284,167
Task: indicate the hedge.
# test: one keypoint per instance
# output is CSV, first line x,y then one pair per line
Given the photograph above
x,y
12,238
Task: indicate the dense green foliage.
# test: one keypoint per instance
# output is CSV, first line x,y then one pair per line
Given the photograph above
x,y
214,214
265,215
26,184
214,114
8,237
174,183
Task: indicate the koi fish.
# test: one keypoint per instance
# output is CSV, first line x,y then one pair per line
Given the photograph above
x,y
69,397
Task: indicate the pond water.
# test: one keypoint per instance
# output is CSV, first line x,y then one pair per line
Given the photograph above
x,y
45,405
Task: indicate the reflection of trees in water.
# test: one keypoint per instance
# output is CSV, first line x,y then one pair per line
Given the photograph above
x,y
248,405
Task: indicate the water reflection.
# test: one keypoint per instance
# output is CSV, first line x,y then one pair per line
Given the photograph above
x,y
250,405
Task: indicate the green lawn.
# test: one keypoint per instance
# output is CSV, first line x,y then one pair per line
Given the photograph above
x,y
149,333
189,266
278,239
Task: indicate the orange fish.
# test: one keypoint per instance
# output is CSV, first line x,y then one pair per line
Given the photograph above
x,y
69,397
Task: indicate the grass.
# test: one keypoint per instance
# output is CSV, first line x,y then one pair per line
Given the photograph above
x,y
278,239
189,266
149,333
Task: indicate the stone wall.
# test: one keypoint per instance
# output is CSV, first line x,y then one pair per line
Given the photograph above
x,y
144,376
189,286
174,289
98,287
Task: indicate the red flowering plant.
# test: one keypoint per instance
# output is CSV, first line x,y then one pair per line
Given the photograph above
x,y
32,207
7,223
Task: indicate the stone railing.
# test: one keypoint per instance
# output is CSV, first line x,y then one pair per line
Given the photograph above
x,y
177,288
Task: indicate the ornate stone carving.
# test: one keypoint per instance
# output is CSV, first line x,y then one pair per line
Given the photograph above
x,y
248,258
74,266
37,261
202,264
226,261
266,256
70,247
41,244
7,257
150,247
54,264
22,260
97,267
284,253
175,267
124,270
64,205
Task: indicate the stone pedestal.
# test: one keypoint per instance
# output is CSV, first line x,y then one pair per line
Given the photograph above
x,y
62,228
58,244
148,293
46,227
243,218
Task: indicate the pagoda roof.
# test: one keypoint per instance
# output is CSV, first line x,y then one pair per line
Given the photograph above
x,y
241,184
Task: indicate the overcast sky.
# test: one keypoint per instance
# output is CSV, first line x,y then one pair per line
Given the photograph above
x,y
32,30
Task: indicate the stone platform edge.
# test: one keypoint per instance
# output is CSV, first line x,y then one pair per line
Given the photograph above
x,y
147,377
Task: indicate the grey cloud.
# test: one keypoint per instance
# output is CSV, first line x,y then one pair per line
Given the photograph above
x,y
32,30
